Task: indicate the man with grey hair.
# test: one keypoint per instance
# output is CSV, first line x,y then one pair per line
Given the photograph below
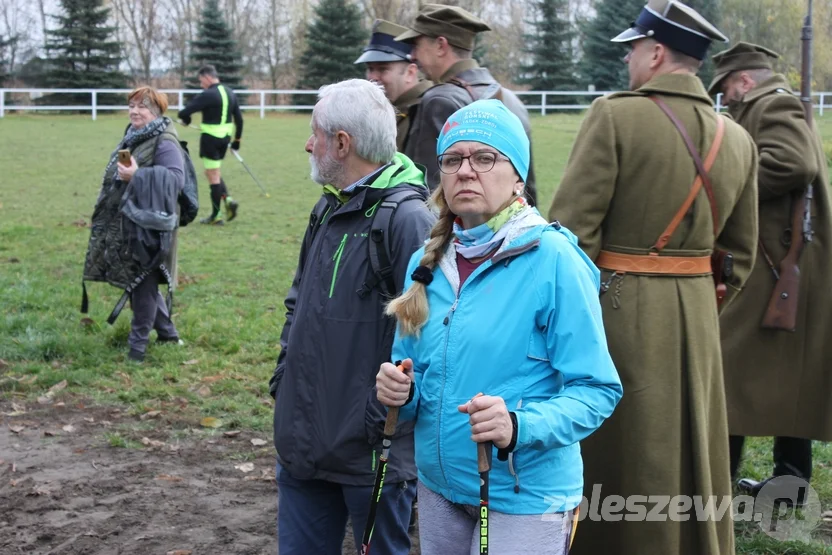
x,y
327,422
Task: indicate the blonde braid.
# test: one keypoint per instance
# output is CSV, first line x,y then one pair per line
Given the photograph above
x,y
411,308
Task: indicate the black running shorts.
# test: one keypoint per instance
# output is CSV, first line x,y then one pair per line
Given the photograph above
x,y
213,148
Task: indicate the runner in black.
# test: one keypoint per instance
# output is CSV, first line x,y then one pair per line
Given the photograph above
x,y
221,119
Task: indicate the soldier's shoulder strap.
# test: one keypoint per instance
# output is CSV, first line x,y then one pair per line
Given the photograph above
x,y
493,90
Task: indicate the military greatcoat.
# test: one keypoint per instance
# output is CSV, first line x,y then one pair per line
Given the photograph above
x,y
627,176
779,383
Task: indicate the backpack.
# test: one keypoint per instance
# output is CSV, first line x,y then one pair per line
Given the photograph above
x,y
189,196
378,245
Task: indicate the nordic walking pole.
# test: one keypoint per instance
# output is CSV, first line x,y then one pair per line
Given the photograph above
x,y
387,439
240,158
484,451
183,124
236,155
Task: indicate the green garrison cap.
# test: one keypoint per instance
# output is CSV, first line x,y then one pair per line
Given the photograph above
x,y
743,55
675,25
457,25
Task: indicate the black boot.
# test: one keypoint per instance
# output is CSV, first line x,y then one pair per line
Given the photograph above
x,y
231,205
216,201
793,460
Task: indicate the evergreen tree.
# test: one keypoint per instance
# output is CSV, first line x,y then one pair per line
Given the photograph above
x,y
709,9
4,44
602,63
333,42
82,51
215,46
550,48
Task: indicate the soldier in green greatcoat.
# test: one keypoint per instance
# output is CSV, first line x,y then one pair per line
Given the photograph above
x,y
778,383
627,178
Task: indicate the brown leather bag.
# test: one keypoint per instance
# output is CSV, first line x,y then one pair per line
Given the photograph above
x,y
721,261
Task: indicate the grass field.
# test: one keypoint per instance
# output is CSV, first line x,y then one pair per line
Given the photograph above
x,y
228,308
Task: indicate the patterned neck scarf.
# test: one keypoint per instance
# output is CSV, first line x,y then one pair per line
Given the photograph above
x,y
485,238
136,136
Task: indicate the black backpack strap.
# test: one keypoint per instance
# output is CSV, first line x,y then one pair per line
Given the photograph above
x,y
379,244
126,295
171,287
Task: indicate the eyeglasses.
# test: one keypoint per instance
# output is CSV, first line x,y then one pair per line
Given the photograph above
x,y
481,162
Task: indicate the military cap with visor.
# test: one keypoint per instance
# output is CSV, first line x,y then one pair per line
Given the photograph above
x,y
458,26
674,25
383,45
742,56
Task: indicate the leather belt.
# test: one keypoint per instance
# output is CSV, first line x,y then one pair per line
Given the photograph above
x,y
654,264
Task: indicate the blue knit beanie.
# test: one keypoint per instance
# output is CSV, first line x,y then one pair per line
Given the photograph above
x,y
491,123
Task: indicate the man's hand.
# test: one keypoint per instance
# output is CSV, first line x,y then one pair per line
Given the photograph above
x,y
235,144
185,119
489,419
393,385
125,173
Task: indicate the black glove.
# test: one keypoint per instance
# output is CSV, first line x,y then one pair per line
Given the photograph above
x,y
185,119
235,144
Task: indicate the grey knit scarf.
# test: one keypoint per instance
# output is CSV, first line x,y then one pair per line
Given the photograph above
x,y
135,136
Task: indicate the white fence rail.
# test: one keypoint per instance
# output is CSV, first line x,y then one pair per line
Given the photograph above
x,y
24,100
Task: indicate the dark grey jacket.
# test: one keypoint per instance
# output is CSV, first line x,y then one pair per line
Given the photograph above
x,y
327,420
108,256
443,99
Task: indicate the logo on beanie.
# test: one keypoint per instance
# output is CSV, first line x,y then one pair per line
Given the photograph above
x,y
449,125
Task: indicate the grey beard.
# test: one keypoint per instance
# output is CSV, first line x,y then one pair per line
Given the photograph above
x,y
325,171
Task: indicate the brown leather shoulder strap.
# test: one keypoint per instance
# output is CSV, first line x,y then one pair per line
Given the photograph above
x,y
702,177
465,85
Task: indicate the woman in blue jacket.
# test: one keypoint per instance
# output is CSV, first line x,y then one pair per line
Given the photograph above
x,y
501,319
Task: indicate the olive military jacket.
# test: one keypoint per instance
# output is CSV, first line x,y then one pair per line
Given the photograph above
x,y
407,105
628,174
779,383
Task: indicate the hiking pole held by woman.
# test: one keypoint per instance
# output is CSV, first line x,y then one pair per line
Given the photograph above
x,y
484,451
386,441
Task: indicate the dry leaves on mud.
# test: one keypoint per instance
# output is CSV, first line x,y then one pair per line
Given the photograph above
x,y
265,476
17,410
146,441
210,422
47,399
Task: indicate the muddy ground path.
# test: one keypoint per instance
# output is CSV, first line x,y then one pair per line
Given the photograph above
x,y
95,480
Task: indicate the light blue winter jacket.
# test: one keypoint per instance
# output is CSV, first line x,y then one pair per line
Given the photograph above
x,y
527,327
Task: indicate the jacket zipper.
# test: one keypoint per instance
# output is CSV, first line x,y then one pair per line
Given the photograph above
x,y
337,258
446,322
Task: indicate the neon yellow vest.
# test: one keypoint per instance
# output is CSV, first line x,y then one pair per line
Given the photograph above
x,y
220,130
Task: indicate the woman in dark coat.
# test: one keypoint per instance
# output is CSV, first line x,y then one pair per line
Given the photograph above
x,y
153,144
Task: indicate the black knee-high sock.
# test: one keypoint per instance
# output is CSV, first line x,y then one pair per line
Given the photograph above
x,y
224,188
216,199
